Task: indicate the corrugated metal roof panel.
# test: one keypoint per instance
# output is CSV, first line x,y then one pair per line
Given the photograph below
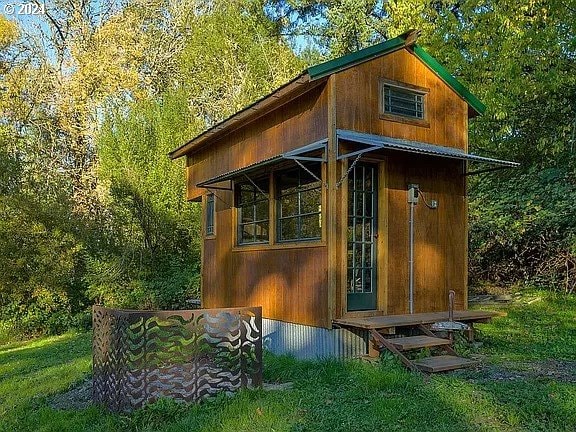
x,y
418,147
291,154
240,171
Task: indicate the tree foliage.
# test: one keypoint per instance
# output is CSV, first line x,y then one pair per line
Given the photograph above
x,y
94,94
232,57
154,255
94,97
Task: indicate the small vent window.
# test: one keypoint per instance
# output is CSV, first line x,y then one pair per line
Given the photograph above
x,y
402,102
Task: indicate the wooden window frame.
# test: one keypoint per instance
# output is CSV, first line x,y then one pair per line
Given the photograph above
x,y
208,234
273,244
298,216
423,91
252,204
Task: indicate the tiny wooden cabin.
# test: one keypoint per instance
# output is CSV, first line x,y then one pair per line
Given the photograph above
x,y
340,195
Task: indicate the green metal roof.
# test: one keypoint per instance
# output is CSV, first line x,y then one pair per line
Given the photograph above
x,y
456,85
340,63
349,60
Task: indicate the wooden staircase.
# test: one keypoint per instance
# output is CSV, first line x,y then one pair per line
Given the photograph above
x,y
447,362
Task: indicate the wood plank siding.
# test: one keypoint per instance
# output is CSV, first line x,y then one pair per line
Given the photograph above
x,y
299,122
288,280
440,235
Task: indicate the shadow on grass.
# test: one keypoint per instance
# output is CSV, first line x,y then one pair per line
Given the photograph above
x,y
21,359
31,372
536,404
334,396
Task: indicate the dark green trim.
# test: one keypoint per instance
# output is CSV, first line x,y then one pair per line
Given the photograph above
x,y
333,66
464,93
349,60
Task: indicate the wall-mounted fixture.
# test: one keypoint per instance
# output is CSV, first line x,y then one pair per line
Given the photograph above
x,y
414,194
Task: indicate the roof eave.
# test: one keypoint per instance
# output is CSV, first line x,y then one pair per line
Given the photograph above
x,y
246,115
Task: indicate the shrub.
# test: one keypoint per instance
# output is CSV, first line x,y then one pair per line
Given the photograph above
x,y
523,228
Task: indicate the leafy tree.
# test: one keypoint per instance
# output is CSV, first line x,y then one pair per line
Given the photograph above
x,y
155,255
333,28
232,56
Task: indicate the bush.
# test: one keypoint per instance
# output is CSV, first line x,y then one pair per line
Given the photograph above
x,y
39,289
523,228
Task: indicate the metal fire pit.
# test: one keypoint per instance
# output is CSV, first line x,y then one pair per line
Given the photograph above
x,y
186,355
450,325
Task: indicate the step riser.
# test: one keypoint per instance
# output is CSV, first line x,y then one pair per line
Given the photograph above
x,y
433,364
446,369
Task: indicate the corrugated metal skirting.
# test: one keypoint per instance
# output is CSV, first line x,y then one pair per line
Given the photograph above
x,y
306,342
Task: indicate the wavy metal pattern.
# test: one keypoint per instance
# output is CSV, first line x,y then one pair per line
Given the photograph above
x,y
140,356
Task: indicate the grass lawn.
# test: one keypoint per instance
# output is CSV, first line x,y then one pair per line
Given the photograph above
x,y
528,382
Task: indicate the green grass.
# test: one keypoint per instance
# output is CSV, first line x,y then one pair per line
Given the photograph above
x,y
539,325
326,395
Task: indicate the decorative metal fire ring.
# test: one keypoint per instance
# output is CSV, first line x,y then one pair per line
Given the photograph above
x,y
188,355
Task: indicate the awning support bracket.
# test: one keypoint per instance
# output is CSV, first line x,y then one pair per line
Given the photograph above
x,y
229,188
255,185
359,152
349,170
310,172
209,189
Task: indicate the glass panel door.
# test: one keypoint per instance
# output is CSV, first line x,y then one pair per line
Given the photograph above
x,y
362,208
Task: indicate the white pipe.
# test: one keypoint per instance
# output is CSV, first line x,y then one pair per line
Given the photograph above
x,y
411,261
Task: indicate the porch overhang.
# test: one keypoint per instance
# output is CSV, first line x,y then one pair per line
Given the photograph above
x,y
378,142
314,152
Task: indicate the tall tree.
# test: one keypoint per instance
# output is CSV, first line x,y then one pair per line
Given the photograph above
x,y
231,57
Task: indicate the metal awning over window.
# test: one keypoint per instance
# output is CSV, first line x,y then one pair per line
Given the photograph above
x,y
378,142
314,152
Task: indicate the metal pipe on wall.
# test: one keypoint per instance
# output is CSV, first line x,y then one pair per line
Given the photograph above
x,y
411,261
412,200
413,195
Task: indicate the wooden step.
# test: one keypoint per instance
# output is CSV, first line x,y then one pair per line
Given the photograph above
x,y
416,342
443,363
